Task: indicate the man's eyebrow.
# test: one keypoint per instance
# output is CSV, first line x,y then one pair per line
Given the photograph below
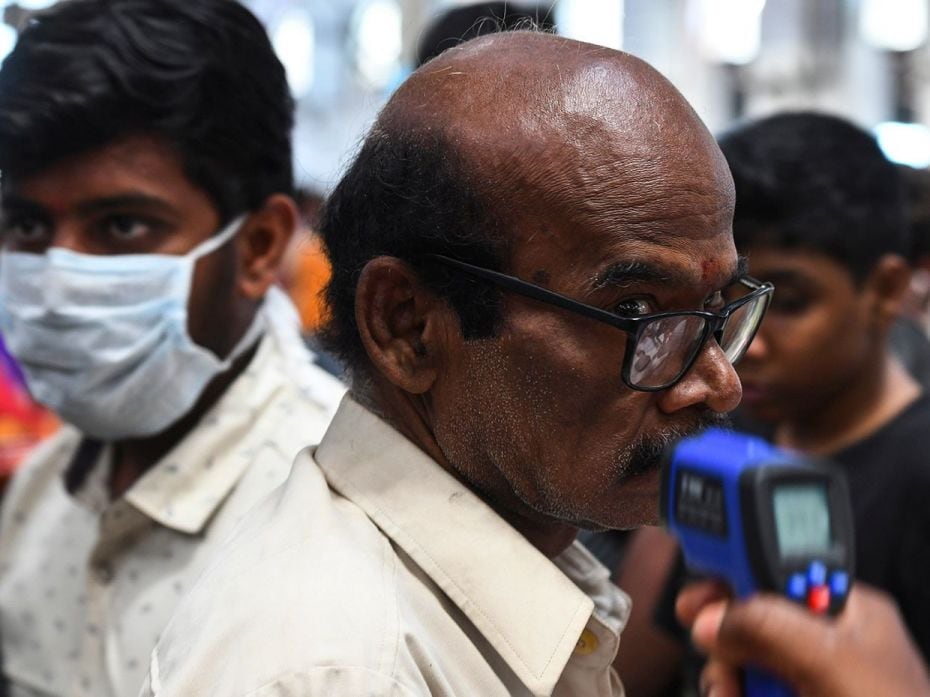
x,y
20,204
127,200
95,205
628,273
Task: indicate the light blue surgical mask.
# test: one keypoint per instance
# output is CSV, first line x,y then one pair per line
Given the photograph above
x,y
103,340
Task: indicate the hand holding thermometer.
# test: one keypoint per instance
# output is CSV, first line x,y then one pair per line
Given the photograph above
x,y
763,520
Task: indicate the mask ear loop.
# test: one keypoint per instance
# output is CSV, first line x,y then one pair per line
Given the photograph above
x,y
255,332
210,245
259,324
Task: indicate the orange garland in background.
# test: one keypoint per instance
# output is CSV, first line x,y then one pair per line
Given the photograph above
x,y
23,424
306,272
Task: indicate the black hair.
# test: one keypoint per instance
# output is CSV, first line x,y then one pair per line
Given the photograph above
x,y
917,189
199,74
814,181
408,195
463,23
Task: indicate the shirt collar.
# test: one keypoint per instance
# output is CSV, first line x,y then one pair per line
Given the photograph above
x,y
87,475
522,603
84,460
187,486
184,489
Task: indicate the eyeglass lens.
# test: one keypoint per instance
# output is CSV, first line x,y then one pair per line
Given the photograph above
x,y
663,347
667,345
740,328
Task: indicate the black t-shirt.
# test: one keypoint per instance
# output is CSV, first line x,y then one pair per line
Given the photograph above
x,y
889,481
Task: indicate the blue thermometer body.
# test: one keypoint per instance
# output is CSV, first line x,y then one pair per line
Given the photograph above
x,y
761,519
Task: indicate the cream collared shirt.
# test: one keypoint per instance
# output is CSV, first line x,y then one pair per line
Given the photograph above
x,y
87,584
373,572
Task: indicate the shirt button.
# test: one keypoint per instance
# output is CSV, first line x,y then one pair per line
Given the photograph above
x,y
587,643
104,572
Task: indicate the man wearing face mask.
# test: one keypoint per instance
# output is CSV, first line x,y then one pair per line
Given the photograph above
x,y
146,170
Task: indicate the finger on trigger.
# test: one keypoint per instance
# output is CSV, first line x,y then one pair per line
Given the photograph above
x,y
694,596
706,625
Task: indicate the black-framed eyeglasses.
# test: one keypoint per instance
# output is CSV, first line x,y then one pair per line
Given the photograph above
x,y
663,345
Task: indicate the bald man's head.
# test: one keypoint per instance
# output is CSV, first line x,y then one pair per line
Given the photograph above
x,y
528,80
536,114
469,146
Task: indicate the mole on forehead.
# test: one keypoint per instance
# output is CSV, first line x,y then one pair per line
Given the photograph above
x,y
541,277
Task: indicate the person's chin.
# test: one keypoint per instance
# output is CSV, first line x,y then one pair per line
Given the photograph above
x,y
645,485
636,502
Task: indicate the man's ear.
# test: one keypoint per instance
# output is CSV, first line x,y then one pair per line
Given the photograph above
x,y
887,284
262,243
400,323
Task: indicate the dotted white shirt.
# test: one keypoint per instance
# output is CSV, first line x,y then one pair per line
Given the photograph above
x,y
87,584
372,573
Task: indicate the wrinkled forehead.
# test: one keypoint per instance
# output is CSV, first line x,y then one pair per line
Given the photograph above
x,y
660,216
648,186
581,151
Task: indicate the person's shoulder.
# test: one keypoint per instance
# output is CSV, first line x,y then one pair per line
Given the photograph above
x,y
298,403
910,430
306,580
904,448
297,412
300,391
319,391
36,505
906,433
42,471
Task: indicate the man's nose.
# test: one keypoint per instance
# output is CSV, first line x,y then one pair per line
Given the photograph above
x,y
712,381
67,235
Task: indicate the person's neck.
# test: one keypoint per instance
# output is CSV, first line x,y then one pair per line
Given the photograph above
x,y
410,415
133,457
854,413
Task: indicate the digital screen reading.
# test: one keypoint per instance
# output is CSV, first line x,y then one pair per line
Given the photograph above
x,y
802,519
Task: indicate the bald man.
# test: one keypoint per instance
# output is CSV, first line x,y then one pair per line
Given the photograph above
x,y
532,258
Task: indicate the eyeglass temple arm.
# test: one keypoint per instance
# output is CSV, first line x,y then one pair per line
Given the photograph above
x,y
528,290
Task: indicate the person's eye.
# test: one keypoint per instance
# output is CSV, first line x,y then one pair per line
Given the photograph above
x,y
633,307
126,227
24,230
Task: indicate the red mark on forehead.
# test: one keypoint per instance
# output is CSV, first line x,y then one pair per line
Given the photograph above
x,y
709,269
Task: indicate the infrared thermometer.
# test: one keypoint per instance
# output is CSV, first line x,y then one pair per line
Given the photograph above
x,y
762,519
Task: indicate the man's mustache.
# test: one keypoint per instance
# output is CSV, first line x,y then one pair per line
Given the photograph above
x,y
647,454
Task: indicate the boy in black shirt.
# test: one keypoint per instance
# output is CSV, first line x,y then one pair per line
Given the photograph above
x,y
820,212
